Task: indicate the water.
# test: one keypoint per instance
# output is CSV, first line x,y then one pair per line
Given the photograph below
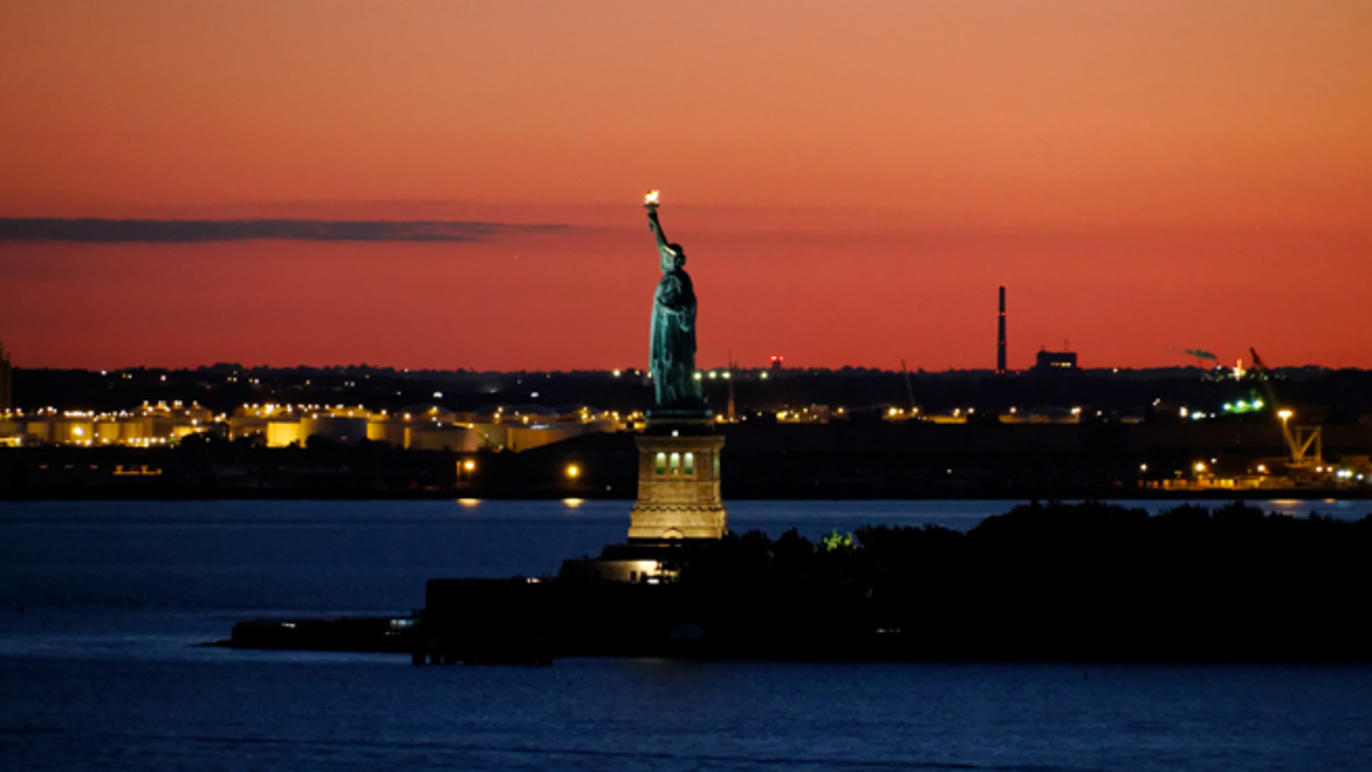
x,y
101,604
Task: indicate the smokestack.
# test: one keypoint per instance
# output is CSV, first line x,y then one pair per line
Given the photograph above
x,y
6,380
1000,337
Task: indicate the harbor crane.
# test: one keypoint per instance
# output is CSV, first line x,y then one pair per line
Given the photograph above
x,y
1300,440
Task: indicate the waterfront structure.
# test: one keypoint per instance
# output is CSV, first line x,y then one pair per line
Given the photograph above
x,y
814,414
151,425
419,427
1042,414
678,452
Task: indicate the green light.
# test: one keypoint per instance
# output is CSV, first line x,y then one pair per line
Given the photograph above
x,y
835,540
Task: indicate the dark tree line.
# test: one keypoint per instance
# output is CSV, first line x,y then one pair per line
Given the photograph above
x,y
1057,581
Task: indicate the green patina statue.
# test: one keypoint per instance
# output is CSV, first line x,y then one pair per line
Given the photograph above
x,y
673,356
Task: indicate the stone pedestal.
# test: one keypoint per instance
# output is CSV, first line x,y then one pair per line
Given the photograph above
x,y
678,482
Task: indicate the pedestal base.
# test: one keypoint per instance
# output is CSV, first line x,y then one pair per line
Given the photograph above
x,y
678,483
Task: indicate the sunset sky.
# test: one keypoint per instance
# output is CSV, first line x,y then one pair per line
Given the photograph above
x,y
851,181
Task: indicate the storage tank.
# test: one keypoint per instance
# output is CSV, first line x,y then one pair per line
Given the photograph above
x,y
347,429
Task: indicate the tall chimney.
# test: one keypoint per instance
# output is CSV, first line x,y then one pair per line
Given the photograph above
x,y
6,380
1000,337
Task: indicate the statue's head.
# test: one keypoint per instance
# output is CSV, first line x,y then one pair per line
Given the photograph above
x,y
678,255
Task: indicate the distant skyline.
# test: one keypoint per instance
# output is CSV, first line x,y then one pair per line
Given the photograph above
x,y
851,182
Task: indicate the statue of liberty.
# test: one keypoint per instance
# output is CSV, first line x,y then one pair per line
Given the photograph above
x,y
673,353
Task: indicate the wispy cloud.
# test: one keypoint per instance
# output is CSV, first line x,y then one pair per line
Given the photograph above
x,y
191,231
1198,353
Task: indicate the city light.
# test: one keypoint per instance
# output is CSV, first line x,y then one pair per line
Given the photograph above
x,y
167,422
573,471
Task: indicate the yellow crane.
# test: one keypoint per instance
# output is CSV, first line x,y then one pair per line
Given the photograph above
x,y
1299,439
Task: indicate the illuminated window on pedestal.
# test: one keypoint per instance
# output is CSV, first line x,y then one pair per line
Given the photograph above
x,y
662,463
676,463
690,464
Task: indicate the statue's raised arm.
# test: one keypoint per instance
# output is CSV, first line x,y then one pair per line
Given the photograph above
x,y
667,252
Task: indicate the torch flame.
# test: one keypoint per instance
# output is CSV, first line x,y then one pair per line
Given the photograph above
x,y
651,197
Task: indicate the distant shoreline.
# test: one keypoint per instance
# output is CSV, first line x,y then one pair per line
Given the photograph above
x,y
1302,494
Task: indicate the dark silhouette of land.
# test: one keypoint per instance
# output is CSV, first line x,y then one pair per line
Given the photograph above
x,y
1054,581
1129,430
839,460
1335,396
1051,581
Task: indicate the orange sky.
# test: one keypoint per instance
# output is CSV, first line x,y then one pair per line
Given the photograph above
x,y
850,180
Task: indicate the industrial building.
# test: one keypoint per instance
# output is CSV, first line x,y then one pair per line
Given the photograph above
x,y
419,427
1055,361
146,426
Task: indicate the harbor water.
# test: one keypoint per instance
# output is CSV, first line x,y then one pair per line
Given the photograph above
x,y
102,605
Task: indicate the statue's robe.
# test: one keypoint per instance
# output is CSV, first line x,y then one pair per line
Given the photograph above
x,y
673,357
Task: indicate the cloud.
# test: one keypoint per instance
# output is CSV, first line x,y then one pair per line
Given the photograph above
x,y
1200,353
193,231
